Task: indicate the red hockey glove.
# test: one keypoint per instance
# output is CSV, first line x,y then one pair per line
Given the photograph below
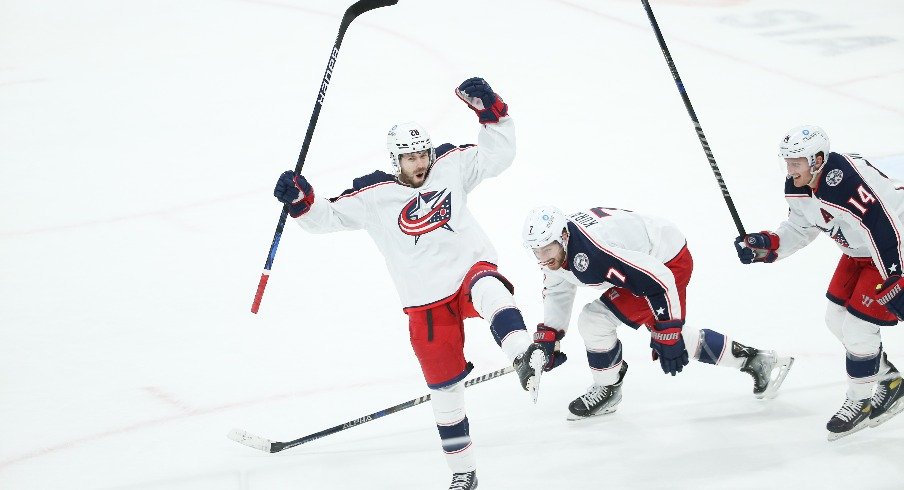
x,y
758,247
479,96
548,340
888,294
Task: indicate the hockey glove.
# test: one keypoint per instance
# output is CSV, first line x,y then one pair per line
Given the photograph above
x,y
488,105
295,191
668,346
548,340
758,247
889,294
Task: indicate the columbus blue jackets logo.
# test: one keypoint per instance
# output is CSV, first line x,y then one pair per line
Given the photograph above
x,y
426,212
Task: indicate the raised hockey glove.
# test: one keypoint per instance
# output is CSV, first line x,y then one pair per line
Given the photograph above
x,y
668,346
295,191
757,247
548,340
479,96
889,294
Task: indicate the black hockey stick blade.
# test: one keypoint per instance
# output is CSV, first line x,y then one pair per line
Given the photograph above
x,y
269,446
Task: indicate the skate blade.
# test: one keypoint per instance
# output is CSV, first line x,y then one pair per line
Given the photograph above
x,y
893,410
834,436
782,366
537,361
574,418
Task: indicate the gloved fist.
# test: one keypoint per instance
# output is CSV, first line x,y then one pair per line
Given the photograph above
x,y
888,294
479,96
548,340
757,247
668,346
295,191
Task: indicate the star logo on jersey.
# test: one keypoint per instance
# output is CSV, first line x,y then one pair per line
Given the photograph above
x,y
893,268
426,212
660,311
581,261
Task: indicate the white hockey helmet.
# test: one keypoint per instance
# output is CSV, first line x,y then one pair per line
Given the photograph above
x,y
543,225
408,137
805,141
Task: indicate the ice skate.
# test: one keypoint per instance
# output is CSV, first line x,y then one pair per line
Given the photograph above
x,y
464,481
888,400
529,366
767,368
599,400
851,417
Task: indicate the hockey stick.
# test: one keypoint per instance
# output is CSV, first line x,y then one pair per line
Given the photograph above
x,y
690,111
351,14
266,445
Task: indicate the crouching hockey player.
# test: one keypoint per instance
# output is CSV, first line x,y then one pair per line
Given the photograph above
x,y
440,260
643,265
855,204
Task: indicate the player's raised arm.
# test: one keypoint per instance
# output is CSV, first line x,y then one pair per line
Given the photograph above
x,y
495,150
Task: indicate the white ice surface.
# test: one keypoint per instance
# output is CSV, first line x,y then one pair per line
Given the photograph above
x,y
139,142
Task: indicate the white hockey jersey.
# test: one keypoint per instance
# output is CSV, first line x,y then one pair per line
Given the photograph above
x,y
427,235
856,205
610,247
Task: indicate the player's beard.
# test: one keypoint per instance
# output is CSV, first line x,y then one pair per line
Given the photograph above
x,y
412,179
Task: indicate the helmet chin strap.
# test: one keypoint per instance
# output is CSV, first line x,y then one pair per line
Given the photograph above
x,y
564,243
815,172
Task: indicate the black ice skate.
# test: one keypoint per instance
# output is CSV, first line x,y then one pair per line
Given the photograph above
x,y
599,400
887,401
529,366
464,481
767,368
851,417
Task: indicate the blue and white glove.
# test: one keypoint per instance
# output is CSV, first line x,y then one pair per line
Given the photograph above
x,y
479,96
668,346
548,340
758,247
295,191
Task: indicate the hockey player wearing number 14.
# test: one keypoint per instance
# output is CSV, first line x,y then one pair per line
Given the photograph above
x,y
643,266
441,261
855,204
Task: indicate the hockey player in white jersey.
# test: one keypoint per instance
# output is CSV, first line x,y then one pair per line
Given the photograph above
x,y
441,261
642,265
855,204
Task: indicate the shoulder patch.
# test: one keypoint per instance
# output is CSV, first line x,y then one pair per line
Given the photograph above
x,y
443,149
581,262
834,177
840,181
368,180
447,147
